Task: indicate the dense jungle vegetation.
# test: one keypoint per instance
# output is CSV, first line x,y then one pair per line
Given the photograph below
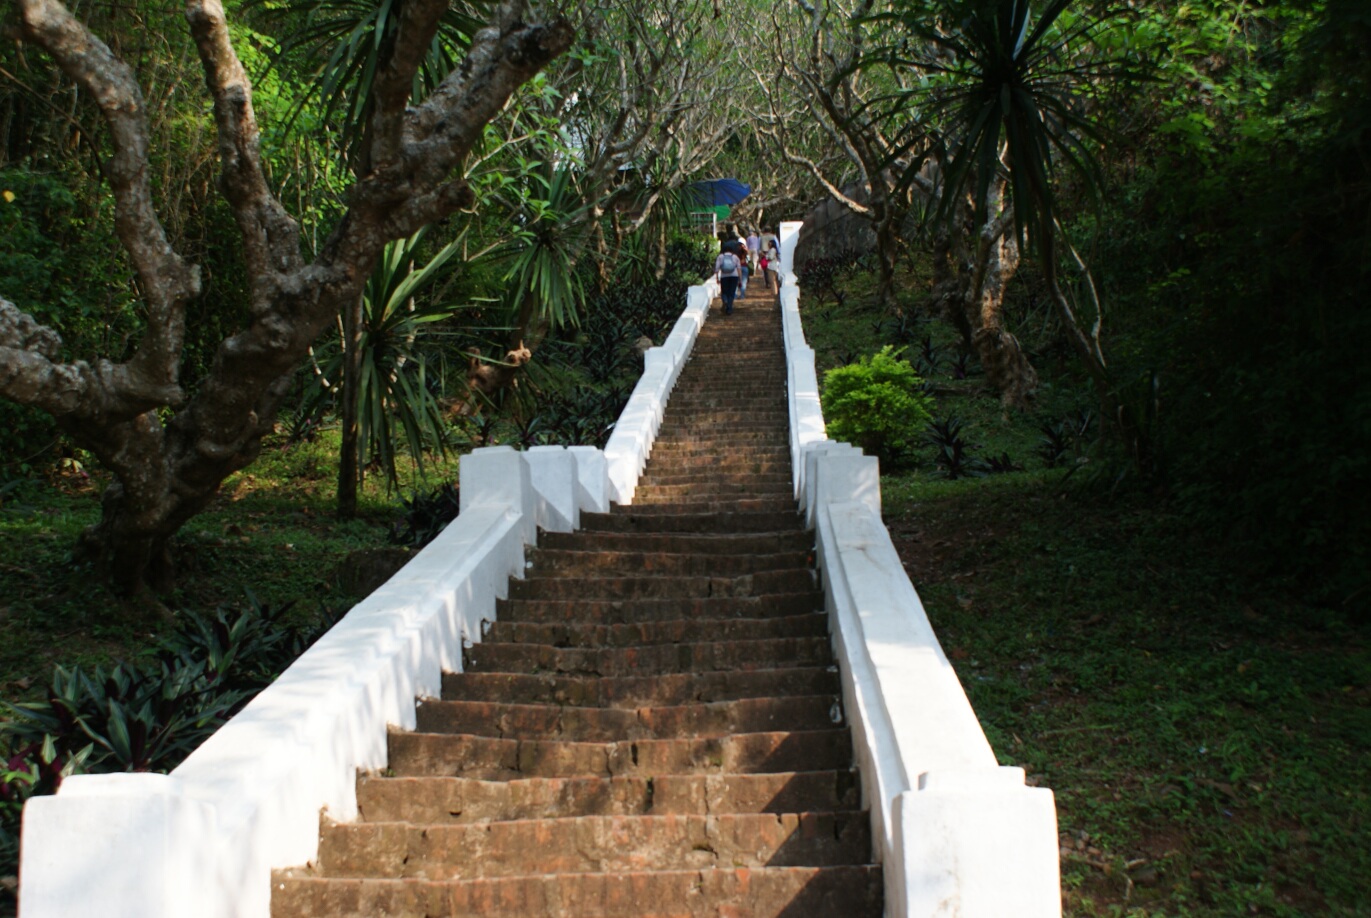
x,y
1122,247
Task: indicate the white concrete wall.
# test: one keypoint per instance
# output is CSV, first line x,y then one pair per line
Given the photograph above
x,y
957,834
203,840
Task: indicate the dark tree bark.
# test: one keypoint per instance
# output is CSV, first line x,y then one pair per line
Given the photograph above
x,y
349,460
168,472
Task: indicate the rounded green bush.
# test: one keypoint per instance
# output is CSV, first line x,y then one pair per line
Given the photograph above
x,y
876,403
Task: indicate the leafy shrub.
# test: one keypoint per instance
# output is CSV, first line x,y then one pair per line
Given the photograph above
x,y
953,459
1067,437
146,715
426,515
875,403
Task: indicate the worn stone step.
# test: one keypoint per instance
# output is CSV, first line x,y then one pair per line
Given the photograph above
x,y
705,456
684,403
730,437
681,469
489,758
433,801
716,490
629,587
639,691
724,470
557,562
849,891
664,518
706,656
706,543
779,479
594,844
634,611
551,721
780,504
697,414
678,631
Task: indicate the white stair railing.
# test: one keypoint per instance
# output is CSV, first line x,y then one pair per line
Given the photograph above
x,y
957,835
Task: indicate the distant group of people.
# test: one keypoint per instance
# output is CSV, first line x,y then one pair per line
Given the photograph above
x,y
741,257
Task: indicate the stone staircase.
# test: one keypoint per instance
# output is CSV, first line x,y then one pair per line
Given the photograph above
x,y
653,726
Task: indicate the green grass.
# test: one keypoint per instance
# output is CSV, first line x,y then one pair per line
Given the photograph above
x,y
1207,740
271,530
1207,736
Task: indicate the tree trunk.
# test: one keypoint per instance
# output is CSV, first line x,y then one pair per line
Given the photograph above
x,y
349,461
1006,365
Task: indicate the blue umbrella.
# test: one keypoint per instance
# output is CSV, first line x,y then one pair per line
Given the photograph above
x,y
718,191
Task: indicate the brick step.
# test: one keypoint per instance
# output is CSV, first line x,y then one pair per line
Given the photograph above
x,y
760,892
653,491
667,518
684,406
709,656
755,355
721,447
684,473
709,376
462,755
594,844
433,801
737,430
648,505
602,725
708,455
690,543
647,587
639,633
557,562
640,691
705,463
635,611
738,434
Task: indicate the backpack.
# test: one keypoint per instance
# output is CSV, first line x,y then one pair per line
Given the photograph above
x,y
729,263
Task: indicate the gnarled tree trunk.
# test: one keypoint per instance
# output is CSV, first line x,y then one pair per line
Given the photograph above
x,y
166,473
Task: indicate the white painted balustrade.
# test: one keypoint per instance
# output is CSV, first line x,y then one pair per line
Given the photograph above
x,y
957,834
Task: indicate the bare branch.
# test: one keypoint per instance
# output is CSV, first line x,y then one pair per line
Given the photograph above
x,y
270,236
167,281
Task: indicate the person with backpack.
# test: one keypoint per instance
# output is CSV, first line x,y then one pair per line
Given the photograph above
x,y
728,269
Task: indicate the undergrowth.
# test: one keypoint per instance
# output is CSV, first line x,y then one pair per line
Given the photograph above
x,y
1205,731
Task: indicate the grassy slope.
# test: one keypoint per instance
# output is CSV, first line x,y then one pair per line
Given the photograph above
x,y
1206,736
271,530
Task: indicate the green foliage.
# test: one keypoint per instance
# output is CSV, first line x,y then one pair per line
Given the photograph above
x,y
876,403
145,715
349,38
953,457
397,392
582,379
1239,266
148,716
426,515
1001,82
